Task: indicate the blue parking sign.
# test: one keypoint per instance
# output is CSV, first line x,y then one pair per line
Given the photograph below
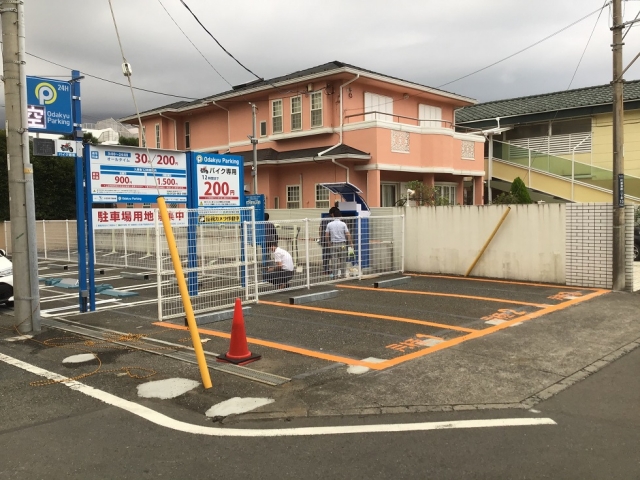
x,y
49,106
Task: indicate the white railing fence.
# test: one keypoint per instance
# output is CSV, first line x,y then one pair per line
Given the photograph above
x,y
225,261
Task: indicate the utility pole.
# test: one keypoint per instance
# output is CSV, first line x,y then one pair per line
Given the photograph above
x,y
618,151
254,142
21,194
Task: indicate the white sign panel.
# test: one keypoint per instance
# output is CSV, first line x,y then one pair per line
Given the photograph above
x,y
133,176
219,180
107,218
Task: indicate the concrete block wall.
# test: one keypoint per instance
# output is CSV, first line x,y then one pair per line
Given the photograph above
x,y
588,242
589,245
529,246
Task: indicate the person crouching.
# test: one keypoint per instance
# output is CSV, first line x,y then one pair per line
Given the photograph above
x,y
282,272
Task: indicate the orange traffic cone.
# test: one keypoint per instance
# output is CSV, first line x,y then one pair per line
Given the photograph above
x,y
238,353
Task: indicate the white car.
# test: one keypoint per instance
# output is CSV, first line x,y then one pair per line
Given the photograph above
x,y
6,279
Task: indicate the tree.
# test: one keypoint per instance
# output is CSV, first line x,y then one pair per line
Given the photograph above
x,y
518,194
519,189
87,137
130,141
53,185
423,195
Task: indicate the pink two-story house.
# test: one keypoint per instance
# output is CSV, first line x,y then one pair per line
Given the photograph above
x,y
331,123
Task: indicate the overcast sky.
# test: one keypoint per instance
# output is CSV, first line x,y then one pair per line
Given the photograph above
x,y
431,42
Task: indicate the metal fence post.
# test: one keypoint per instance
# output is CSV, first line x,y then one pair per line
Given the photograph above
x,y
158,266
246,262
306,251
360,246
68,244
255,250
402,262
44,238
124,244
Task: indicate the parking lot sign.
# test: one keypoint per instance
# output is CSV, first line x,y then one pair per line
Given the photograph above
x,y
49,106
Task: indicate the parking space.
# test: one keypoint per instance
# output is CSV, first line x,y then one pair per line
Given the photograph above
x,y
62,298
364,326
380,328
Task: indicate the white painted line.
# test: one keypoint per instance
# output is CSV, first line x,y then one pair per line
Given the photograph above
x,y
71,307
236,405
164,421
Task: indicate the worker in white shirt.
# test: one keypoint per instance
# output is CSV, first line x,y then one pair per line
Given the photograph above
x,y
282,272
337,235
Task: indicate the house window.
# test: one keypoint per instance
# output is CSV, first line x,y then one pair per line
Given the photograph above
x,y
263,129
316,109
445,193
276,202
276,116
378,107
296,113
388,194
157,135
146,205
187,136
430,116
129,205
293,196
144,136
322,197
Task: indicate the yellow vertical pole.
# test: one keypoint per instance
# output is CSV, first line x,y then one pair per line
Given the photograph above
x,y
184,293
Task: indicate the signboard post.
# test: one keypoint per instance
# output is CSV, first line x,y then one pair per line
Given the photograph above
x,y
216,181
117,174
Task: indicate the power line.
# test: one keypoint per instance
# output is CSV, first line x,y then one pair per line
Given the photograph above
x,y
587,45
231,55
524,49
194,45
111,81
216,40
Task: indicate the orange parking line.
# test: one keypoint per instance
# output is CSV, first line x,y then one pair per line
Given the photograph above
x,y
486,331
279,346
508,282
435,294
371,315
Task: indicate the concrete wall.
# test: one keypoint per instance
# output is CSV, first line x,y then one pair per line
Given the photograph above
x,y
529,246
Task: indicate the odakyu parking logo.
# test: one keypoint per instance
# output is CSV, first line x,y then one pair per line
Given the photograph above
x,y
46,93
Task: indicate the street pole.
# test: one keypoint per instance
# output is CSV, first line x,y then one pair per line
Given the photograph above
x,y
254,142
618,152
21,194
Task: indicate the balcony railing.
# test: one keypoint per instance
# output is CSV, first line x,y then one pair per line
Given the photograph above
x,y
563,167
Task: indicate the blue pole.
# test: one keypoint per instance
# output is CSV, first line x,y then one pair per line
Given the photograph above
x,y
90,246
192,242
80,207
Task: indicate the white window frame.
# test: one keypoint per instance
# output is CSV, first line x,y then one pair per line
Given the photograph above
x,y
298,113
451,191
316,95
381,107
187,136
321,201
157,135
130,205
263,128
290,190
430,116
146,205
274,117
